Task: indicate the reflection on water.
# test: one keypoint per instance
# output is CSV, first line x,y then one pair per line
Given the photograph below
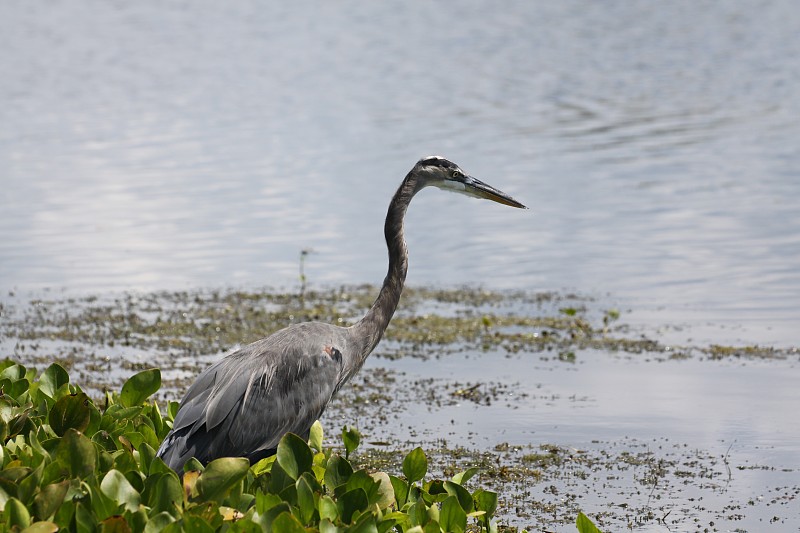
x,y
158,146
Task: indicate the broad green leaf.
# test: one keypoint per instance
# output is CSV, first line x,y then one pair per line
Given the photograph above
x,y
15,513
351,438
220,476
52,379
418,513
463,495
585,525
77,454
328,509
14,372
326,526
268,517
49,499
452,516
366,524
415,465
266,501
385,490
158,522
466,475
84,518
102,506
41,527
486,501
338,471
350,502
189,523
315,435
294,455
193,465
139,387
279,480
432,527
360,479
305,499
163,492
286,523
400,488
263,465
70,411
119,489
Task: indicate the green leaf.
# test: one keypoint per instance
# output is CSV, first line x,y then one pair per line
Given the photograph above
x,y
351,438
286,523
279,480
338,471
139,387
350,502
266,520
466,475
158,522
119,489
366,524
266,501
585,525
385,496
102,505
49,499
463,495
294,455
14,372
328,509
84,518
163,492
326,526
452,516
52,379
41,527
362,480
485,501
189,523
220,476
77,454
400,488
70,411
305,499
16,514
315,435
415,465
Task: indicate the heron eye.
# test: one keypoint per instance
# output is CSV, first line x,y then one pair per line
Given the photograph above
x,y
458,174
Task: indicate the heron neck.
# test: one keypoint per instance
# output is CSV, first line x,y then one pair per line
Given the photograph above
x,y
369,329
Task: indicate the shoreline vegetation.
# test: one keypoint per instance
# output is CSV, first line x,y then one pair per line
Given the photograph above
x,y
105,342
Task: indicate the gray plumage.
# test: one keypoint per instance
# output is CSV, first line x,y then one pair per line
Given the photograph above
x,y
244,403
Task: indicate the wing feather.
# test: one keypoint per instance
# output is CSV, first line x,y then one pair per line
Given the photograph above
x,y
243,404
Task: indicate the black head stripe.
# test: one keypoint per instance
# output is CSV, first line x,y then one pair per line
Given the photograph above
x,y
436,161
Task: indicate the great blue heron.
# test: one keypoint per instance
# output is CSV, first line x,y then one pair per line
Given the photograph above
x,y
244,403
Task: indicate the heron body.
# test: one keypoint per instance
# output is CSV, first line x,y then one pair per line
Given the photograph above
x,y
244,403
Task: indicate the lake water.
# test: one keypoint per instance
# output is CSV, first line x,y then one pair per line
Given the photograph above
x,y
150,145
187,145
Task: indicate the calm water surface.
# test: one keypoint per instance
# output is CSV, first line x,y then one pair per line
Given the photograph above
x,y
153,145
149,145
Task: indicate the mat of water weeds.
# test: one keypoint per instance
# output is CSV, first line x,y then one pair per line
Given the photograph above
x,y
521,385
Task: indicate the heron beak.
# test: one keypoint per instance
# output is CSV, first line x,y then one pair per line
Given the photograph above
x,y
479,189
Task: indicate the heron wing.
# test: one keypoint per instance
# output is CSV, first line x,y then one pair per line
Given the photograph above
x,y
243,404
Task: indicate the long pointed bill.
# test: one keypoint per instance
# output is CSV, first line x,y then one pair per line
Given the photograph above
x,y
479,189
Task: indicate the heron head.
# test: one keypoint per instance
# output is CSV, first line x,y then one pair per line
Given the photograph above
x,y
439,172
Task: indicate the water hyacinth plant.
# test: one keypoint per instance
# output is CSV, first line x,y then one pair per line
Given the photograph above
x,y
71,465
